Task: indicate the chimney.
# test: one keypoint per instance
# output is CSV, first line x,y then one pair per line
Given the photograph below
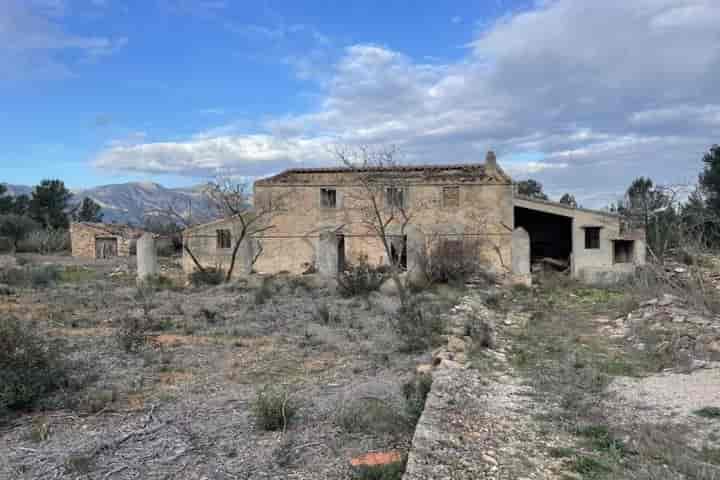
x,y
491,165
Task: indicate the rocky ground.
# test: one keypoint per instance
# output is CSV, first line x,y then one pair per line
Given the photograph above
x,y
181,406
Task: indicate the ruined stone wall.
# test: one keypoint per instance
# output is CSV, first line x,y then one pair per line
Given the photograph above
x,y
485,214
83,235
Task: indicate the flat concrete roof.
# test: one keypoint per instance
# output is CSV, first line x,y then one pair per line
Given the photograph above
x,y
556,207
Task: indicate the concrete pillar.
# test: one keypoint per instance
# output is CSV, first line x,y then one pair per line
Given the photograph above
x,y
146,257
245,255
521,256
415,253
327,254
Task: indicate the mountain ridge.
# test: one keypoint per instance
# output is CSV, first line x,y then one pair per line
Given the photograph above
x,y
132,202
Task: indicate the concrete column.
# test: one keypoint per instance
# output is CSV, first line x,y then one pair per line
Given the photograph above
x,y
146,257
246,254
327,254
521,256
415,252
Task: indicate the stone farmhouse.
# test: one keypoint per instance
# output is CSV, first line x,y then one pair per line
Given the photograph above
x,y
102,240
320,224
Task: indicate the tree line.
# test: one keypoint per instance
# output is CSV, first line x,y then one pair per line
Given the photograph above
x,y
675,217
46,213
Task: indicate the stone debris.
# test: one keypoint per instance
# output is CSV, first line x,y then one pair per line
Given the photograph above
x,y
477,426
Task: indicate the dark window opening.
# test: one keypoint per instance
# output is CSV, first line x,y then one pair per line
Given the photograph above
x,y
451,196
592,238
341,253
453,248
398,251
224,238
328,198
623,251
394,197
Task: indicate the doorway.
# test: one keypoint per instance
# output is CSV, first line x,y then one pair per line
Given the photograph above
x,y
398,251
341,252
106,247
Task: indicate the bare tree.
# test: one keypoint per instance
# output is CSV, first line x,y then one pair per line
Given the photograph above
x,y
381,198
182,215
233,202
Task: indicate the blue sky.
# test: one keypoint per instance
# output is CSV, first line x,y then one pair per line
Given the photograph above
x,y
104,91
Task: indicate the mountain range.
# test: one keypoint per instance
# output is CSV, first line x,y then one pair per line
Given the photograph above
x,y
132,202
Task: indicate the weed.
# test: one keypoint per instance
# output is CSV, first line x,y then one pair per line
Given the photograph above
x,y
273,408
322,313
415,393
561,452
589,467
40,429
78,464
390,471
360,279
209,276
368,415
30,366
708,412
131,334
265,292
417,330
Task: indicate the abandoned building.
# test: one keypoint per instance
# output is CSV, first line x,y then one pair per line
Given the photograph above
x,y
101,240
322,219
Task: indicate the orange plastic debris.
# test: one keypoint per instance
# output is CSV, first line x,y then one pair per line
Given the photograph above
x,y
379,458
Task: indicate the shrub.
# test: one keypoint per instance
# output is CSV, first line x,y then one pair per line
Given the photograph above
x,y
708,412
417,330
368,415
451,261
265,292
30,276
273,408
210,276
415,393
46,241
44,276
322,313
131,334
390,471
360,279
30,366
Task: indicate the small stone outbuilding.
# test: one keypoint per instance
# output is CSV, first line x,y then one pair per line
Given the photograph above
x,y
101,240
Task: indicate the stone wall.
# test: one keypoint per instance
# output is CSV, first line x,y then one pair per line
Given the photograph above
x,y
83,236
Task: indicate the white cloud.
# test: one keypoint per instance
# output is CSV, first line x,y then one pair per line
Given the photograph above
x,y
601,91
32,40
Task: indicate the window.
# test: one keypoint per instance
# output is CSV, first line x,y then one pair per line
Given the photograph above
x,y
451,196
592,238
328,198
224,238
394,197
623,251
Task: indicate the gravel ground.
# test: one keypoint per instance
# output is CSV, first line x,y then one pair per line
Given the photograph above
x,y
181,406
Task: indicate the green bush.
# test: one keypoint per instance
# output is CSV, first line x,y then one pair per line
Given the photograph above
x,y
265,292
418,330
30,366
390,471
273,408
131,334
415,392
210,276
360,279
370,415
31,276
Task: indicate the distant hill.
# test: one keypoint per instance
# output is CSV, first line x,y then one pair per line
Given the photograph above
x,y
131,202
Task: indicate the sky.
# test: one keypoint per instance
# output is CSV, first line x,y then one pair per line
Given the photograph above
x,y
581,95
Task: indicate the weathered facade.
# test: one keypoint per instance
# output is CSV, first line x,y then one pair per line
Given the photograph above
x,y
321,222
323,218
594,243
101,240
